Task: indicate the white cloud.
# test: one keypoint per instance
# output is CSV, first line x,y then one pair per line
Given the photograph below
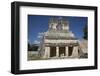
x,y
36,42
40,35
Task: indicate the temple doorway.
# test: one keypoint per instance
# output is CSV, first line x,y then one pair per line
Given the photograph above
x,y
70,50
61,51
52,51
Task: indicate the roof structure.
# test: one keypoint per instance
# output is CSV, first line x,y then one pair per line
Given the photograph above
x,y
59,34
55,32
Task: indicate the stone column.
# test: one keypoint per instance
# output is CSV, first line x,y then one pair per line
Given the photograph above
x,y
47,52
75,52
57,51
66,51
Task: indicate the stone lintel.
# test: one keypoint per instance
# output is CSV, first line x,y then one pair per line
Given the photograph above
x,y
61,44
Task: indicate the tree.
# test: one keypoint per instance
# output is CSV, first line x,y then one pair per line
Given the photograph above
x,y
85,30
29,47
34,47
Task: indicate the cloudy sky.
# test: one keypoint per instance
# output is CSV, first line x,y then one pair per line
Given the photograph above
x,y
37,24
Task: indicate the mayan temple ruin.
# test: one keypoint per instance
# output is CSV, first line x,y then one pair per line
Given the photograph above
x,y
58,41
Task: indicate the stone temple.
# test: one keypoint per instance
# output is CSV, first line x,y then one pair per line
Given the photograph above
x,y
58,41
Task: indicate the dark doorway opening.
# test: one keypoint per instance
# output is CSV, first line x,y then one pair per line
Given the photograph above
x,y
61,51
52,51
70,50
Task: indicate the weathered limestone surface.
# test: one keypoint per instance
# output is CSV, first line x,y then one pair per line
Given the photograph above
x,y
66,51
47,52
58,35
57,51
75,52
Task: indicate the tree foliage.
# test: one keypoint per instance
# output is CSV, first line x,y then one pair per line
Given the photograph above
x,y
85,30
32,47
29,47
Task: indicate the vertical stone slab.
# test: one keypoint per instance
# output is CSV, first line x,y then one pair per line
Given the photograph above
x,y
57,51
66,51
75,52
47,52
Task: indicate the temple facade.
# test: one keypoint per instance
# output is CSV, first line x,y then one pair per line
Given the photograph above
x,y
58,41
